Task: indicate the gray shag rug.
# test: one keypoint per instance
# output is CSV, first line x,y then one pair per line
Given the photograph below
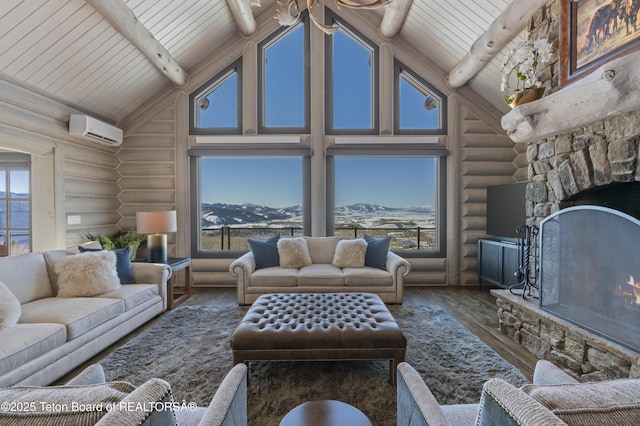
x,y
189,348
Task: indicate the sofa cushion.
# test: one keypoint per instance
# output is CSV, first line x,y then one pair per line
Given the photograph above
x,y
293,253
275,277
133,295
62,405
87,274
320,275
9,308
52,257
26,342
123,262
321,249
350,253
17,271
78,314
367,276
377,249
595,403
265,253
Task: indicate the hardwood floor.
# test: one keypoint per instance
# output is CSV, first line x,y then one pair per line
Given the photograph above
x,y
475,309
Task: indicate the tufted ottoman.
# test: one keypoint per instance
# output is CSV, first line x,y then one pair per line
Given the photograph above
x,y
319,326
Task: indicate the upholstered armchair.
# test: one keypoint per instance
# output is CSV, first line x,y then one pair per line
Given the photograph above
x,y
84,398
554,398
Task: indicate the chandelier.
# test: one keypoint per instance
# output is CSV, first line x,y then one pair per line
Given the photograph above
x,y
288,11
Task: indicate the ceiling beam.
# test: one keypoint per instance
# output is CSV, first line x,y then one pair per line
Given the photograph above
x,y
125,22
241,11
394,15
501,31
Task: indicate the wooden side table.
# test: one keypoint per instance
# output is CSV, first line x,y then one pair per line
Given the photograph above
x,y
178,264
325,413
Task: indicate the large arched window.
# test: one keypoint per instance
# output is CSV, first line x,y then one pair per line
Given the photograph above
x,y
388,184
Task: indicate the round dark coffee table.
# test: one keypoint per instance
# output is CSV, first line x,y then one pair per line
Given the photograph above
x,y
325,413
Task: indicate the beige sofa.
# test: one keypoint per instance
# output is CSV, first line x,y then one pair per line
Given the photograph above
x,y
87,399
321,276
554,398
53,334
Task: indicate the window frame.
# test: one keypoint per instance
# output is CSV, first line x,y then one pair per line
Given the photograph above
x,y
194,129
372,151
399,67
330,19
271,40
253,150
15,162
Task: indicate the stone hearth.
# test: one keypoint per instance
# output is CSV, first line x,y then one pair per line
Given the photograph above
x,y
581,353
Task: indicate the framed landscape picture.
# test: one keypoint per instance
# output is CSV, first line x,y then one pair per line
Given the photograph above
x,y
592,32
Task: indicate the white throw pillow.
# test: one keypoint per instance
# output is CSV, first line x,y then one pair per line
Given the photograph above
x,y
350,253
87,274
293,253
10,309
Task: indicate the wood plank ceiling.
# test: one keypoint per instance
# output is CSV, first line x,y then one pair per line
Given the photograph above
x,y
69,52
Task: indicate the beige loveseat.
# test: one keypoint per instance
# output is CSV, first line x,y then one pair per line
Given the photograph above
x,y
321,276
54,335
87,399
555,398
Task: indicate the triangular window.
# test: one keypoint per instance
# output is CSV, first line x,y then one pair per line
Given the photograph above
x,y
352,69
419,107
283,94
216,107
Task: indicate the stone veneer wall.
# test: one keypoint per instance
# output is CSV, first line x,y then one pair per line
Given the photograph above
x,y
564,165
596,155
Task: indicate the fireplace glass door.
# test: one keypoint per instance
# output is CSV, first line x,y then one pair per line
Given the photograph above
x,y
590,271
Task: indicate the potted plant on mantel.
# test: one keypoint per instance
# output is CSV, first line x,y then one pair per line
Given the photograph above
x,y
524,61
120,239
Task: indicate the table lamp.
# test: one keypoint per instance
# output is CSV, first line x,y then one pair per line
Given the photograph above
x,y
156,225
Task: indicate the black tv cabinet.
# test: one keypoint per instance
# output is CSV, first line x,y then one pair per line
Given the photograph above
x,y
497,263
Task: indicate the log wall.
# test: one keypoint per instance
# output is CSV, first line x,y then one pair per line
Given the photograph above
x,y
70,176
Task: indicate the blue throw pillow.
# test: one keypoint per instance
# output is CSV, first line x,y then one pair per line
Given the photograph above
x,y
377,249
123,263
265,253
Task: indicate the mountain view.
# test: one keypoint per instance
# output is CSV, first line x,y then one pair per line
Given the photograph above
x,y
361,215
409,228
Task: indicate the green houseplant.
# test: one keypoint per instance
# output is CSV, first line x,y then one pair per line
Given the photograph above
x,y
120,239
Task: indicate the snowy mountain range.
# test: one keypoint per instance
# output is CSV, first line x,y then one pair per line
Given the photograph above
x,y
249,214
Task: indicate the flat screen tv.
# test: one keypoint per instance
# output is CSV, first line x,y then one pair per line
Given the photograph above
x,y
506,209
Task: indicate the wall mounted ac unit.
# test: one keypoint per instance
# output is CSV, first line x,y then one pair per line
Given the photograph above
x,y
93,129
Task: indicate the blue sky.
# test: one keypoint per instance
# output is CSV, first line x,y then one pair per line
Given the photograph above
x,y
392,182
273,182
19,181
277,182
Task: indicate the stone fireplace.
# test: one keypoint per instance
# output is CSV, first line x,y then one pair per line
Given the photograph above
x,y
595,164
579,140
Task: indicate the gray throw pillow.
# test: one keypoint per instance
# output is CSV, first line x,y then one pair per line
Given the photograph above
x,y
265,253
377,249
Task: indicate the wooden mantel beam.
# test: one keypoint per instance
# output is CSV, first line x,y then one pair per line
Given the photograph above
x,y
126,23
613,88
501,31
394,16
241,11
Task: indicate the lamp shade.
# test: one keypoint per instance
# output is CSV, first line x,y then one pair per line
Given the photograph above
x,y
158,222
